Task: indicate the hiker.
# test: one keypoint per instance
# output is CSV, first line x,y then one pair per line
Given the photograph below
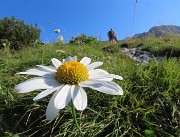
x,y
112,36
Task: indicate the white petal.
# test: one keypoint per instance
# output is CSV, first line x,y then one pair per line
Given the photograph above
x,y
35,71
74,58
68,59
105,79
35,84
117,89
56,62
98,71
94,65
49,75
39,72
108,88
114,76
51,110
46,92
86,61
97,77
47,68
95,72
92,83
100,74
79,97
63,97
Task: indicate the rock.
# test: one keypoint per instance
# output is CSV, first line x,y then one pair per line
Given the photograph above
x,y
138,55
135,53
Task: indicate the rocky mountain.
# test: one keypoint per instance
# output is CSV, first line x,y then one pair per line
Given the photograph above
x,y
160,31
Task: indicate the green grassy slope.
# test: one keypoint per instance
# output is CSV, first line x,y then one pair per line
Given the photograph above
x,y
149,106
164,46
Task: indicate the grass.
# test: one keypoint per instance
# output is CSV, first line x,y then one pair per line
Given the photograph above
x,y
169,47
148,108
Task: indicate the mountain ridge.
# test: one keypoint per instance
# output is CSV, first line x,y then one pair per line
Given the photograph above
x,y
160,31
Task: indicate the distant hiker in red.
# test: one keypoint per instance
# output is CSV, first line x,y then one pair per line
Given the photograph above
x,y
112,36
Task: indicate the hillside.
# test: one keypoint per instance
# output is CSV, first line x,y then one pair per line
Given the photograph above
x,y
160,31
147,108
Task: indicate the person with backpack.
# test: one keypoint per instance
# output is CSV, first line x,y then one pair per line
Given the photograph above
x,y
112,36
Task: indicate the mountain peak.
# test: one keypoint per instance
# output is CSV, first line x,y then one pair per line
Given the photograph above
x,y
160,31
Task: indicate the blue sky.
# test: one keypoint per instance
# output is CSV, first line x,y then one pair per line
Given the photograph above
x,y
92,17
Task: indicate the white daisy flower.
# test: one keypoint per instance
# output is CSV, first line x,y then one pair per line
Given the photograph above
x,y
67,79
60,38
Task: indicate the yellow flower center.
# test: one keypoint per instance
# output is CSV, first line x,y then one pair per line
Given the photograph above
x,y
72,72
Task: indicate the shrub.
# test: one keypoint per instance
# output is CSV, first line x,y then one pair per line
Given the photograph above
x,y
17,33
4,44
83,39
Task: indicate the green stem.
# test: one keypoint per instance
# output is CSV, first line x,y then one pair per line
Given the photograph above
x,y
74,116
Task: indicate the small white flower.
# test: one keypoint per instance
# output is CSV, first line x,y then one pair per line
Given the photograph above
x,y
57,30
60,38
67,79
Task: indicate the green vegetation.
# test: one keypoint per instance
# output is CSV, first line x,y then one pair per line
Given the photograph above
x,y
83,39
148,108
163,46
15,34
